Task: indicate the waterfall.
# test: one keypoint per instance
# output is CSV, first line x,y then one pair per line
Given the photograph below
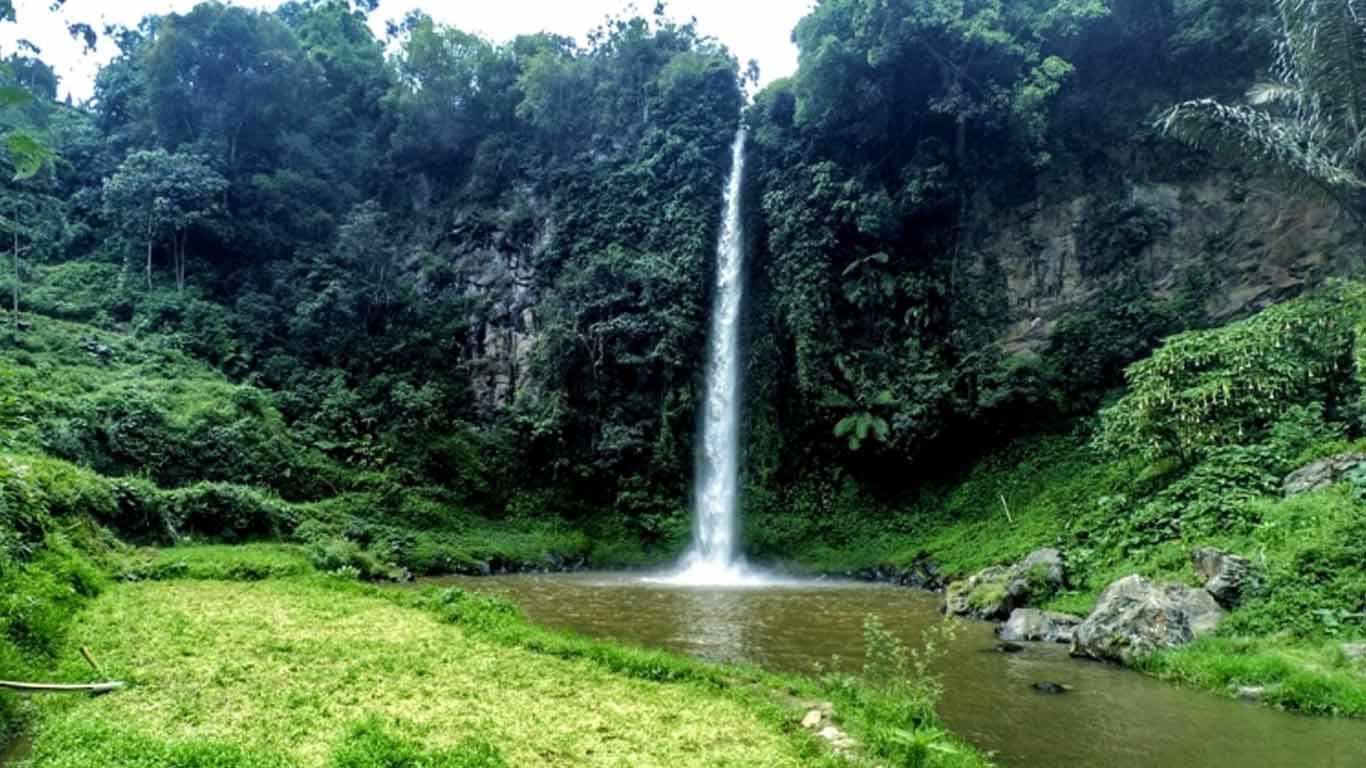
x,y
713,558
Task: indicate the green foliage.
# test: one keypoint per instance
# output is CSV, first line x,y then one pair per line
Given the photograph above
x,y
1314,680
897,696
1208,388
346,558
155,196
224,512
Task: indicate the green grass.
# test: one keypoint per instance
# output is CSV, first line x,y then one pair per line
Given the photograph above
x,y
309,672
240,562
1311,678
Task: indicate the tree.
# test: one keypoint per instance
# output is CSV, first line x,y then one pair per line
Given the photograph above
x,y
887,70
156,195
28,154
1310,122
34,221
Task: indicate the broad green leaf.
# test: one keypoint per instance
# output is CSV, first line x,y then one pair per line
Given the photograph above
x,y
28,153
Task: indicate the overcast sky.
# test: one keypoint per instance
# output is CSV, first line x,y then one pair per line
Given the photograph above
x,y
752,29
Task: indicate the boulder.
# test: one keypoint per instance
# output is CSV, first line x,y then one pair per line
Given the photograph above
x,y
1321,473
1031,625
1224,575
993,593
1044,567
982,595
1008,647
1135,617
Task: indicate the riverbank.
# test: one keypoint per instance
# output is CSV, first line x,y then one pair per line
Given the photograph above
x,y
1114,517
299,669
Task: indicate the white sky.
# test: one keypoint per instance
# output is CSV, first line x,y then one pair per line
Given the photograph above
x,y
752,29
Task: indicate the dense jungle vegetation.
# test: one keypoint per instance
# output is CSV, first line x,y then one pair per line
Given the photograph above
x,y
431,304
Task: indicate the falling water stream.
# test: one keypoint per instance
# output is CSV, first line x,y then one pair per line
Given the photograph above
x,y
713,559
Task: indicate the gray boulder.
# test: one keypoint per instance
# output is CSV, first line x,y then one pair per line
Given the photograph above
x,y
1031,625
1135,617
994,592
1224,575
1321,473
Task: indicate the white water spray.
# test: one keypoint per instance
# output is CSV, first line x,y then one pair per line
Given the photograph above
x,y
713,559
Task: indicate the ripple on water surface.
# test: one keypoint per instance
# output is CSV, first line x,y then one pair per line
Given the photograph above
x,y
1111,717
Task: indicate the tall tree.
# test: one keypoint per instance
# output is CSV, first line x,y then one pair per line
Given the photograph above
x,y
156,196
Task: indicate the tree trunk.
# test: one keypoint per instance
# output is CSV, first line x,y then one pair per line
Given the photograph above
x,y
16,272
149,265
181,243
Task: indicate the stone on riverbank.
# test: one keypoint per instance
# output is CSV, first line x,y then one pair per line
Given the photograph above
x,y
1135,617
1031,625
994,592
1225,575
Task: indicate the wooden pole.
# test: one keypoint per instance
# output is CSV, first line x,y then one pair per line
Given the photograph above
x,y
89,659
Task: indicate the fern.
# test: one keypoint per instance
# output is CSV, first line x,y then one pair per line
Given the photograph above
x,y
857,428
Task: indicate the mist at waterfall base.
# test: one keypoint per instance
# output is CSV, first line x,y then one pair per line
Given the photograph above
x,y
713,559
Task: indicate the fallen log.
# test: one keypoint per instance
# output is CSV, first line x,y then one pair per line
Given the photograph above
x,y
61,687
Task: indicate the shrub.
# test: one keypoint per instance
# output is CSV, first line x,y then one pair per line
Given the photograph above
x,y
229,513
1228,386
341,556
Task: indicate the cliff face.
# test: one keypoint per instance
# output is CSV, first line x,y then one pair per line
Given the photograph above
x,y
500,283
1248,242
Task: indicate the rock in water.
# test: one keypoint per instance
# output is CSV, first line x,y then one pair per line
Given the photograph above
x,y
1321,473
1224,575
1009,647
1135,617
1030,625
1051,688
994,592
1253,693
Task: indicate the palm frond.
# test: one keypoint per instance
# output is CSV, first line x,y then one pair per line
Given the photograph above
x,y
1311,122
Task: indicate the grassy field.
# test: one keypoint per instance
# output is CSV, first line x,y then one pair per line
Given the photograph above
x,y
287,671
304,671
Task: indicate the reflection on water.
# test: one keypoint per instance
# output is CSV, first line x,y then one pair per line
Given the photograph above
x,y
1112,718
704,622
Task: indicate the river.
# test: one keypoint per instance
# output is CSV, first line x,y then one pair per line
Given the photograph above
x,y
1112,717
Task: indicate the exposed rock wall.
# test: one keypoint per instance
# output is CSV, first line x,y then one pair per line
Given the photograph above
x,y
501,283
1252,242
